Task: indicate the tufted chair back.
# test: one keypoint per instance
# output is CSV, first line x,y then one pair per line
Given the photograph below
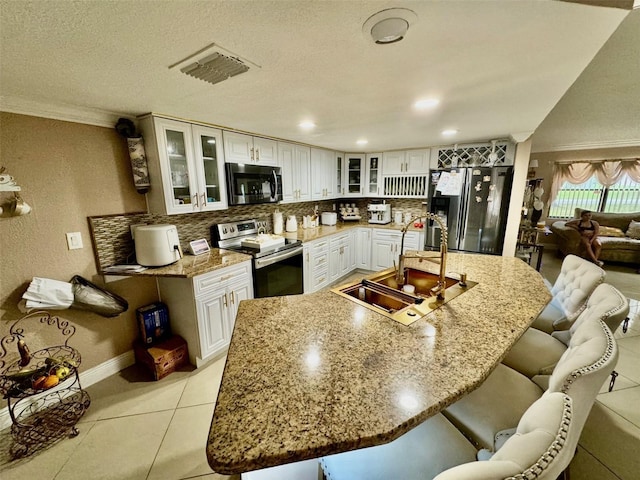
x,y
605,303
575,283
590,358
577,279
541,447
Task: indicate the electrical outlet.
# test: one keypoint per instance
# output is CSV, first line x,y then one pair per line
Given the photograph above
x,y
74,240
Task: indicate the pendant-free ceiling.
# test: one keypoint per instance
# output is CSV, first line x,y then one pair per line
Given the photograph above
x,y
389,26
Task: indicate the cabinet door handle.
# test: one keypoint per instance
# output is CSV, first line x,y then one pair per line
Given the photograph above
x,y
233,301
257,154
204,200
195,200
251,153
224,300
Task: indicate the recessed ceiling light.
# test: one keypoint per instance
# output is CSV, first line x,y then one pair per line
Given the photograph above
x,y
307,125
449,132
426,103
362,142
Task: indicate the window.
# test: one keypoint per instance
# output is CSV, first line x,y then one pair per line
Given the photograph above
x,y
621,197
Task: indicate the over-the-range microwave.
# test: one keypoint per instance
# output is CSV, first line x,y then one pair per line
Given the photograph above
x,y
249,184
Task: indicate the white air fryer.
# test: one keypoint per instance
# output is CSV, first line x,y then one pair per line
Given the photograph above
x,y
157,245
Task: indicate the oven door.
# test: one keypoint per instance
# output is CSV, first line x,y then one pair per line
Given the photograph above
x,y
279,274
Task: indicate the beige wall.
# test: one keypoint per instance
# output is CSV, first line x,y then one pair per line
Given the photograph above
x,y
67,171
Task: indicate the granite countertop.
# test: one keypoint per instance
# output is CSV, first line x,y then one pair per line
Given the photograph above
x,y
192,265
311,234
313,375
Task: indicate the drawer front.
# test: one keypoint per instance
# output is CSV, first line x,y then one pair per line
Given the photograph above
x,y
319,247
319,279
320,260
214,280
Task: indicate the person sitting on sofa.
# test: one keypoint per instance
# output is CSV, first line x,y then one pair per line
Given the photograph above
x,y
589,230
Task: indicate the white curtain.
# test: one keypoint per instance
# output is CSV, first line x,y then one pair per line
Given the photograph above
x,y
607,172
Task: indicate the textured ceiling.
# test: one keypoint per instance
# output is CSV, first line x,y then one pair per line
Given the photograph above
x,y
499,67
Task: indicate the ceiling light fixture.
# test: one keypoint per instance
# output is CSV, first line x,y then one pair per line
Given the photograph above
x,y
389,26
362,142
426,103
307,125
449,132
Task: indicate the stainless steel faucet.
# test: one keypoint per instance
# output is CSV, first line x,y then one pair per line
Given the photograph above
x,y
439,289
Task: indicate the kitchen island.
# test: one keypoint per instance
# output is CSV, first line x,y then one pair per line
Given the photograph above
x,y
313,375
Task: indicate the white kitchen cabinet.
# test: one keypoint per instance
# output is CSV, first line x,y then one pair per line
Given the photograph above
x,y
316,265
186,166
324,184
362,248
374,175
354,175
406,162
341,256
242,148
203,309
385,247
295,162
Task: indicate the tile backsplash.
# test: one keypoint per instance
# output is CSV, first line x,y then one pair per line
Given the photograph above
x,y
113,244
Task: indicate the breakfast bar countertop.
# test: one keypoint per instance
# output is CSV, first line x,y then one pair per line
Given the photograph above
x,y
313,375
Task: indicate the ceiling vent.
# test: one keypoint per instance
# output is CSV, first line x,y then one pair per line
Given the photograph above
x,y
213,67
389,26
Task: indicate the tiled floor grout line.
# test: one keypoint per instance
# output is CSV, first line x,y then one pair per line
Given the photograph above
x,y
84,437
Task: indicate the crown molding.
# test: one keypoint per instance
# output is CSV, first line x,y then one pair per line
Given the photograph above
x,y
67,113
588,146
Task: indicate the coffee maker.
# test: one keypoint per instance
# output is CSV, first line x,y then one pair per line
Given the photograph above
x,y
379,213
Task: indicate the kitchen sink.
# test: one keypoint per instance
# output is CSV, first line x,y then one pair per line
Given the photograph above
x,y
381,293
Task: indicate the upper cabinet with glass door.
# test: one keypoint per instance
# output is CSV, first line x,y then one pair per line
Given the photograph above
x,y
186,166
354,174
374,176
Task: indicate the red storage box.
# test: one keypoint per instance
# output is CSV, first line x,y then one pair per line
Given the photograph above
x,y
163,358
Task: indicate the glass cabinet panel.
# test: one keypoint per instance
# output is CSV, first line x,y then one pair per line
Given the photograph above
x,y
211,176
176,153
373,165
339,173
354,174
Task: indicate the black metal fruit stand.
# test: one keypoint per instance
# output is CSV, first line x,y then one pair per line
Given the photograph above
x,y
43,409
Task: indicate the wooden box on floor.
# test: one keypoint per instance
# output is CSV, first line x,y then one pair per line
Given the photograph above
x,y
163,358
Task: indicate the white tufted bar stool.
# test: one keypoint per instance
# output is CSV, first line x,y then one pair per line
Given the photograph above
x,y
488,414
575,283
541,447
537,353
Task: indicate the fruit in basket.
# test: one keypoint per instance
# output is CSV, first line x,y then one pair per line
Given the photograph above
x,y
38,382
24,374
62,372
45,381
25,355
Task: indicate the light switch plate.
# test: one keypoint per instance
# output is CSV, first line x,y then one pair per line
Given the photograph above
x,y
74,240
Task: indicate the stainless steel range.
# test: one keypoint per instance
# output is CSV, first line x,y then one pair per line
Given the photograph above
x,y
277,261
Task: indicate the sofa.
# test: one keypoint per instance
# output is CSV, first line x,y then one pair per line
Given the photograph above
x,y
619,236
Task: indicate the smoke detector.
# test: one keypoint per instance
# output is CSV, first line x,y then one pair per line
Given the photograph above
x,y
389,26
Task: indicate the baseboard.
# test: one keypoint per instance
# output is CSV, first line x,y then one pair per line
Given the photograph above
x,y
87,378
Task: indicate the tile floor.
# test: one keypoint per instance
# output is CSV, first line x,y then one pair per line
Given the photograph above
x,y
140,429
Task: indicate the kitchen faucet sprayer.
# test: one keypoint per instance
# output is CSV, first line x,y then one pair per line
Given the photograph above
x,y
439,289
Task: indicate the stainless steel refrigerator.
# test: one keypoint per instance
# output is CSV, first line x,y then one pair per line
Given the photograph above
x,y
474,202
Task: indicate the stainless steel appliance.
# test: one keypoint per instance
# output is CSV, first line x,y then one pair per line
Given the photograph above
x,y
379,213
277,269
249,184
474,203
